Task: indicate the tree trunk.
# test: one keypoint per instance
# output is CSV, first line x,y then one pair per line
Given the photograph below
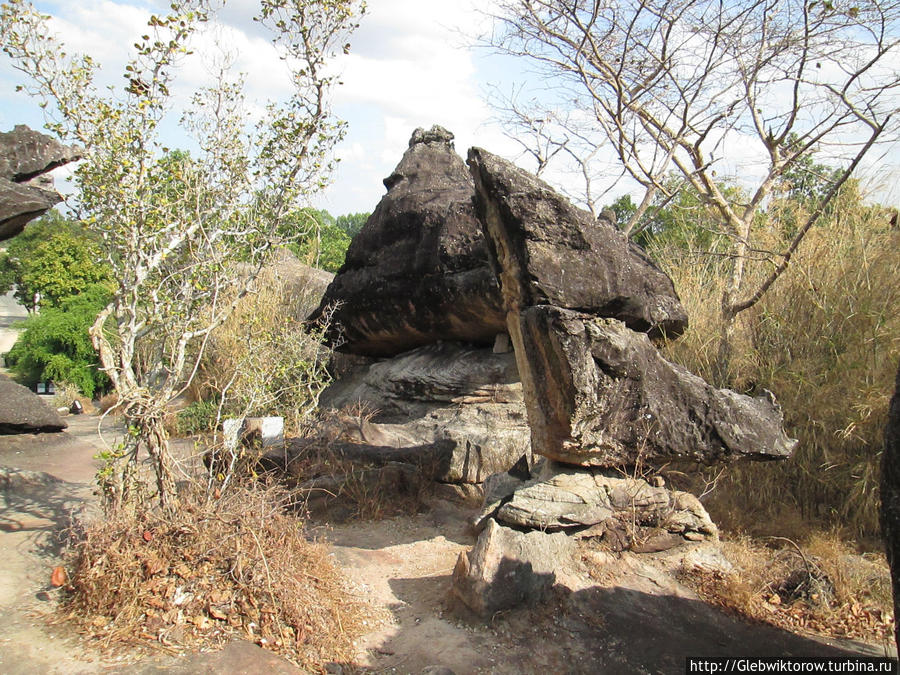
x,y
153,435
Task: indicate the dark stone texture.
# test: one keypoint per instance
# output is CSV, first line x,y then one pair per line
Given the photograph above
x,y
457,407
600,394
418,271
23,412
25,192
550,253
890,495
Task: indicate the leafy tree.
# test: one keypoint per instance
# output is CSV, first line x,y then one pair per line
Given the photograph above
x,y
56,344
324,243
674,85
173,226
352,223
53,258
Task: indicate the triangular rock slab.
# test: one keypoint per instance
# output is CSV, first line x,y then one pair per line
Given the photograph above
x,y
600,394
418,271
551,253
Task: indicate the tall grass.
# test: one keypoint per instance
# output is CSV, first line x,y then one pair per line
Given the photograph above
x,y
825,340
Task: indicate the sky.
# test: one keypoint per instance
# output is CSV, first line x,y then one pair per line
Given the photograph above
x,y
412,64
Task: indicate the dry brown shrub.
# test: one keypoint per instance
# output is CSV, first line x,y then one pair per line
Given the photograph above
x,y
237,566
825,339
820,585
107,402
264,360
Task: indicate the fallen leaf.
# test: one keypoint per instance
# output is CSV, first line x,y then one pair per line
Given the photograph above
x,y
148,535
58,577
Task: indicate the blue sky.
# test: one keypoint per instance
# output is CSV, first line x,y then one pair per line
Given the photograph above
x,y
412,64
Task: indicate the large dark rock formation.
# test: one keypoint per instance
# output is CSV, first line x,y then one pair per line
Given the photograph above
x,y
602,395
890,496
458,410
25,192
596,391
418,271
23,412
548,252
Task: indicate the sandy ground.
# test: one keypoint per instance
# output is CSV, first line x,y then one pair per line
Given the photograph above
x,y
628,617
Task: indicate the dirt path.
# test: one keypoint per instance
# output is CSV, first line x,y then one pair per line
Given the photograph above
x,y
631,617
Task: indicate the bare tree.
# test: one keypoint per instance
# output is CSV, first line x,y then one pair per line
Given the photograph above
x,y
682,85
174,225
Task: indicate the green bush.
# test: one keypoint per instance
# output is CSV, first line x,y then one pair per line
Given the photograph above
x,y
55,344
197,418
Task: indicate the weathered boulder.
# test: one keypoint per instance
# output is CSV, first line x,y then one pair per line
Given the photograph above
x,y
890,495
23,412
507,568
567,498
25,192
457,408
418,271
549,252
602,395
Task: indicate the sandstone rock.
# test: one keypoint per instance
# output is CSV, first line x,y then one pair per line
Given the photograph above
x,y
602,395
459,408
25,193
570,498
507,568
551,253
418,271
890,496
23,412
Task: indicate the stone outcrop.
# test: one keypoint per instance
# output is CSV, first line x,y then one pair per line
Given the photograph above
x,y
890,495
627,511
582,304
25,191
456,409
603,396
418,271
23,412
597,392
549,252
507,568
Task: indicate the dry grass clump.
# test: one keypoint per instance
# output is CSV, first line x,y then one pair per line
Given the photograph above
x,y
264,360
821,586
825,339
237,566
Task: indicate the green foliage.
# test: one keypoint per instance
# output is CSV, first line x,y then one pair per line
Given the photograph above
x,y
173,226
323,242
352,223
55,344
197,418
52,259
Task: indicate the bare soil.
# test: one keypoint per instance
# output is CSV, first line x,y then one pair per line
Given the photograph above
x,y
607,613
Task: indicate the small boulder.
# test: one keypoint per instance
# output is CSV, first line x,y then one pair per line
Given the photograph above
x,y
507,568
